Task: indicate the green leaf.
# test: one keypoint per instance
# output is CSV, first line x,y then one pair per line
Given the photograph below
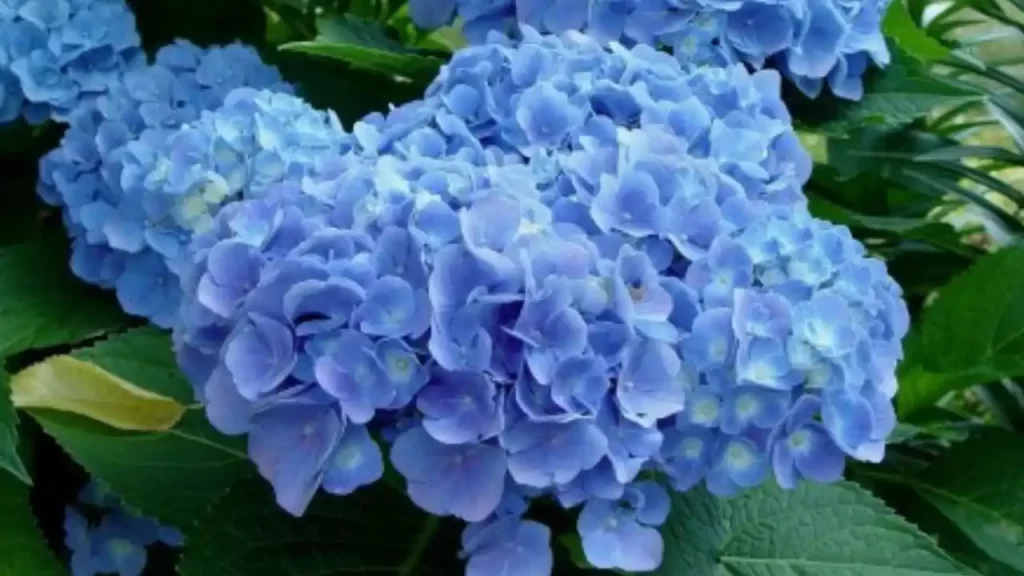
x,y
174,475
9,458
900,27
364,44
973,333
813,530
978,485
43,305
903,92
23,552
376,530
71,385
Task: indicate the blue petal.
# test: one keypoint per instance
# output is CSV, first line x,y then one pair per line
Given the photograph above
x,y
459,407
545,454
355,462
290,444
465,480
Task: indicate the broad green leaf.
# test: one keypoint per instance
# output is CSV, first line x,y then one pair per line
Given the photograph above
x,y
376,530
43,305
973,333
364,44
813,530
174,475
903,92
978,485
71,385
9,458
23,551
901,29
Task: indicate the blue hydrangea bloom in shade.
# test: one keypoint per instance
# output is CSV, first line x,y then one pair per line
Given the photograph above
x,y
117,543
815,42
569,267
59,56
129,184
804,358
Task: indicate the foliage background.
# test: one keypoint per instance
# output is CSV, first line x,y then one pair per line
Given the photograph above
x,y
928,171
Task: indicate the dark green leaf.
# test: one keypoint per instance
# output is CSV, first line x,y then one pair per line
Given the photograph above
x,y
22,214
813,530
174,475
23,552
43,305
960,152
903,92
9,458
364,44
205,22
901,29
318,80
973,333
977,485
908,504
376,531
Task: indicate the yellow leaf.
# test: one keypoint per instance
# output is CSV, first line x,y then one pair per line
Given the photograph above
x,y
71,385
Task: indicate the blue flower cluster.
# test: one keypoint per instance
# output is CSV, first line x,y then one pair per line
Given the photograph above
x,y
133,187
567,267
59,55
117,544
812,41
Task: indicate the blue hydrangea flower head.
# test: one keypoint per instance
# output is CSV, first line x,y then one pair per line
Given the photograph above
x,y
58,56
136,174
117,543
815,42
568,266
798,369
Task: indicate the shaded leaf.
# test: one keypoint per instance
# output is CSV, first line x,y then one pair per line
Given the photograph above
x,y
9,458
376,530
973,333
364,44
173,475
978,485
826,530
43,305
71,385
23,551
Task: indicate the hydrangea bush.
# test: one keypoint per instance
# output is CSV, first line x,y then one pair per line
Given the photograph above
x,y
580,306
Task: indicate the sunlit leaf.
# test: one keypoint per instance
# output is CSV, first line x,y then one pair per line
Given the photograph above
x,y
71,385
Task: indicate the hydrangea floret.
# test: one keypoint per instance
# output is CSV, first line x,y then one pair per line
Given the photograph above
x,y
57,56
109,538
142,171
568,268
813,41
